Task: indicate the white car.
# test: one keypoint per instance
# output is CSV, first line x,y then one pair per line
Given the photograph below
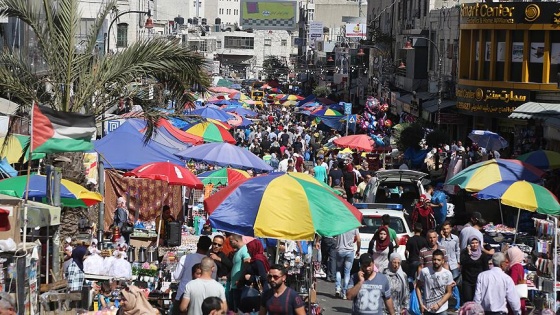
x,y
371,221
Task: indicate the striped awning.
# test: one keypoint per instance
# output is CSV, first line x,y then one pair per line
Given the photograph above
x,y
549,113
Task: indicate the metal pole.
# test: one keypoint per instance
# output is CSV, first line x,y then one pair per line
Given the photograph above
x,y
440,75
101,215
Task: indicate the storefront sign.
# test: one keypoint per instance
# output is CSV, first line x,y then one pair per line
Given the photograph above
x,y
510,13
490,100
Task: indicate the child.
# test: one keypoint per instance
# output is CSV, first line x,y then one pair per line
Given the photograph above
x,y
103,298
212,306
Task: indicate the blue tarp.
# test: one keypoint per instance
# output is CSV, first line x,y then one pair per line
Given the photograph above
x,y
7,169
124,149
162,136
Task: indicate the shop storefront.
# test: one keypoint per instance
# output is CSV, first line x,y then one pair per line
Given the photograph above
x,y
508,56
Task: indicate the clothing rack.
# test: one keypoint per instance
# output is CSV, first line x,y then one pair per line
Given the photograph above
x,y
546,258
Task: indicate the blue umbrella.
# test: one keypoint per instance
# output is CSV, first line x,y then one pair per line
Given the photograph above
x,y
225,154
241,111
488,139
236,86
213,113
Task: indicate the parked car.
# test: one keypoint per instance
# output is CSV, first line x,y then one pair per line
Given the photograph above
x,y
396,187
371,221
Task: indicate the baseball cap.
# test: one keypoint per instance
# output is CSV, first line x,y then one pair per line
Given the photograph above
x,y
365,259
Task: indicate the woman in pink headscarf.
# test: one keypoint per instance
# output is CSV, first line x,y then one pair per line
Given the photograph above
x,y
516,271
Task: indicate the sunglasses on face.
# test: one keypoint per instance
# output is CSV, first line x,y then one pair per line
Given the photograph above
x,y
275,277
218,245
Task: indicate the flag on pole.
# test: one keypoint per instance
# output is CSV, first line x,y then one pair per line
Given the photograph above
x,y
57,131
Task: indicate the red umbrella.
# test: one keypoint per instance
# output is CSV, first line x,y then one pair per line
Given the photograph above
x,y
168,172
360,142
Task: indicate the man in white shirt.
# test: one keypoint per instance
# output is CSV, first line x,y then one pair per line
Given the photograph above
x,y
495,289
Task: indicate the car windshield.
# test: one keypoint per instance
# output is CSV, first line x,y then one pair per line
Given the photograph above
x,y
370,224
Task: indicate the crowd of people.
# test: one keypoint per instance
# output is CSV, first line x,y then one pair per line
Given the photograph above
x,y
441,271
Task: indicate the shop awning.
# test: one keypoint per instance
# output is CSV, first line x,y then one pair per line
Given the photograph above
x,y
548,112
431,105
420,95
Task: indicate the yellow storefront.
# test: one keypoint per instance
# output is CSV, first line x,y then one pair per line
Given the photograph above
x,y
509,55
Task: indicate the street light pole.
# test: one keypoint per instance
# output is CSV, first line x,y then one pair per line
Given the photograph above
x,y
408,46
149,24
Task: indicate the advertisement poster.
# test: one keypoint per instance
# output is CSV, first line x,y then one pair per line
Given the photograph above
x,y
517,52
555,53
356,30
537,52
487,51
269,15
501,52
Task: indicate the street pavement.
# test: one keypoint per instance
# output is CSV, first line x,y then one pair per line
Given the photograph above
x,y
328,302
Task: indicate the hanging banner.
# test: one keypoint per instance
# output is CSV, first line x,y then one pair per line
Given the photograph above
x,y
356,30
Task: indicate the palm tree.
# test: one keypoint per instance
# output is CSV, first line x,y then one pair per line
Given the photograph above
x,y
87,82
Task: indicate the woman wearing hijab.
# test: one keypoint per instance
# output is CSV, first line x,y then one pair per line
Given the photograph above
x,y
133,302
398,282
516,270
255,275
473,262
75,273
380,248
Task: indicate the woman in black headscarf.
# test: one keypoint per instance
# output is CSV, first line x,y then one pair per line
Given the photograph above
x,y
75,273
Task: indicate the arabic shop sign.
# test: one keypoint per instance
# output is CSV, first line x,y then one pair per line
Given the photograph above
x,y
490,100
510,13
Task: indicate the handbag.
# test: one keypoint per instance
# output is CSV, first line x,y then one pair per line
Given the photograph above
x,y
251,297
354,188
127,228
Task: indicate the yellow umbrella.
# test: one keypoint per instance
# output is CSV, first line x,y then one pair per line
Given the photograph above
x,y
15,147
290,103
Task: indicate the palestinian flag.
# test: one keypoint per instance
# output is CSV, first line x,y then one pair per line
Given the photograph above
x,y
56,131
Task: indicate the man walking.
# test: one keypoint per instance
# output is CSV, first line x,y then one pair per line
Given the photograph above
x,y
427,252
328,257
199,289
345,258
280,299
451,244
241,255
369,290
433,286
413,247
495,289
223,263
183,272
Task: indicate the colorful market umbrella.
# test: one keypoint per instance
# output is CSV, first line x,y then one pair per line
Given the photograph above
x,y
488,139
168,172
225,177
13,149
326,112
543,159
239,121
208,112
71,194
292,206
242,111
289,103
210,132
291,97
361,142
225,155
483,174
220,123
522,195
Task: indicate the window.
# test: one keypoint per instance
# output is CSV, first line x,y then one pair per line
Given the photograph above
x,y
235,11
203,46
239,42
268,42
195,3
219,44
221,11
228,11
122,35
284,42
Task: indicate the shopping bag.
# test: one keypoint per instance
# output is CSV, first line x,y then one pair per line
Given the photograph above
x,y
414,307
